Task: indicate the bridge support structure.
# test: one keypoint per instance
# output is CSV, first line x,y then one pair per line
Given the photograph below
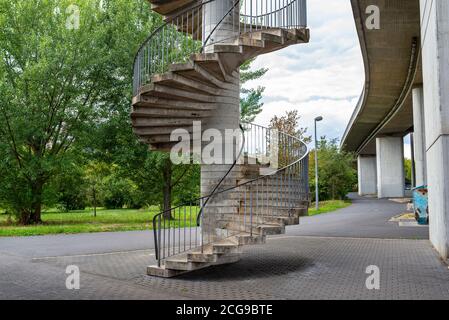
x,y
435,54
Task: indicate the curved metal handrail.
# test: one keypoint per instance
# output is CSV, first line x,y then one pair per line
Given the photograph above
x,y
148,58
303,152
271,12
167,22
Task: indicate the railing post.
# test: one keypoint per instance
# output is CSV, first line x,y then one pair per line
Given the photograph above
x,y
202,228
251,211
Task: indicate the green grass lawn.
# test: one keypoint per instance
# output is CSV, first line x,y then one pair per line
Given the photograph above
x,y
328,206
83,221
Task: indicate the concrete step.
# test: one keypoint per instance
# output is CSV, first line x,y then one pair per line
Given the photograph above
x,y
176,80
214,63
280,211
271,197
195,71
227,212
249,240
164,272
202,257
145,112
168,92
225,247
155,102
283,221
258,229
182,263
164,123
177,265
168,8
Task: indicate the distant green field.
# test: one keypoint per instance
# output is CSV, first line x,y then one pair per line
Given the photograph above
x,y
83,222
328,206
55,222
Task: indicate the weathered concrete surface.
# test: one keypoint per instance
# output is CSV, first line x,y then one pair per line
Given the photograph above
x,y
389,73
390,167
419,137
367,217
367,176
435,56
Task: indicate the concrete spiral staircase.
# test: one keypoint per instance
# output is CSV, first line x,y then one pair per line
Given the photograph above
x,y
190,91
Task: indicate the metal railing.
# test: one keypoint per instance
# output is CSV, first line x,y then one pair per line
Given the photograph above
x,y
233,207
195,28
239,209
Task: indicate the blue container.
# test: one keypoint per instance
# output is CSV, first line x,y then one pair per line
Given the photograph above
x,y
420,205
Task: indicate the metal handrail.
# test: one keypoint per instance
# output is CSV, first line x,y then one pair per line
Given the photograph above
x,y
202,201
268,13
166,43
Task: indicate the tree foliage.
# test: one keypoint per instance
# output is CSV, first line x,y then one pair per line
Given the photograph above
x,y
408,170
337,175
290,124
57,79
66,138
250,99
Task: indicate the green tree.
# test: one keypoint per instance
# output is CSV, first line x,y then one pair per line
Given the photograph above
x,y
336,171
289,124
70,189
250,99
94,176
57,78
408,170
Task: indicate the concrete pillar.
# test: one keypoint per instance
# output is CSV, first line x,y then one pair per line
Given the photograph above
x,y
226,117
435,57
419,138
367,175
390,167
228,27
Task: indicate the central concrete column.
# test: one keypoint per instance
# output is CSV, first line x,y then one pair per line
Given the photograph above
x,y
435,57
390,167
419,137
224,119
216,28
367,175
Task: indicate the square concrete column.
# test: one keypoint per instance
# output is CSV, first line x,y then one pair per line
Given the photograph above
x,y
435,57
419,137
390,167
367,175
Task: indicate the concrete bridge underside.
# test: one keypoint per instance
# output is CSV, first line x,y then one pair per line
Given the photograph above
x,y
406,91
392,69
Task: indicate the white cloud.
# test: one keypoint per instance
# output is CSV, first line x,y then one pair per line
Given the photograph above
x,y
324,77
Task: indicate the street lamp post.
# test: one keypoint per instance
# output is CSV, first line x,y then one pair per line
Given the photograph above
x,y
317,203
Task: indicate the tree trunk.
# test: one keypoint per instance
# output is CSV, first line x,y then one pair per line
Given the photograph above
x,y
33,214
36,213
95,202
167,188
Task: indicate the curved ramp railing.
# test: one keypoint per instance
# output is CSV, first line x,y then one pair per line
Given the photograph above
x,y
184,34
273,193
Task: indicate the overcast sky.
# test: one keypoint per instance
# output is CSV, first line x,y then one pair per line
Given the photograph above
x,y
324,77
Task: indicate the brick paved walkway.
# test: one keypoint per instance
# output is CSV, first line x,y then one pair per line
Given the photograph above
x,y
287,267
